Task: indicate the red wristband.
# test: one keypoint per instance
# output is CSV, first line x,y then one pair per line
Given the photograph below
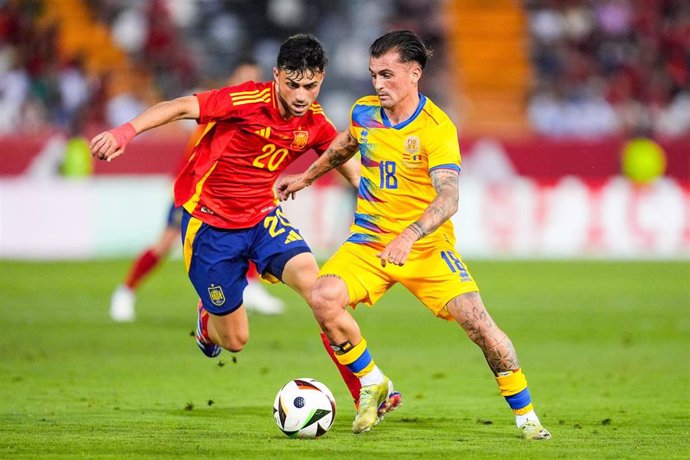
x,y
123,134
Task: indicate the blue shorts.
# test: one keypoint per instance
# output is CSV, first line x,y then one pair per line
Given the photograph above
x,y
174,216
217,259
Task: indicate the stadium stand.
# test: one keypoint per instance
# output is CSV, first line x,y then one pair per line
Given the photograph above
x,y
489,54
615,67
545,94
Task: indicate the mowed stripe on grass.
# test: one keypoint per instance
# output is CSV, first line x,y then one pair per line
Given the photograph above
x,y
604,346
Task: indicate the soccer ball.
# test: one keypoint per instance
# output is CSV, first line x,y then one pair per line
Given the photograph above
x,y
304,408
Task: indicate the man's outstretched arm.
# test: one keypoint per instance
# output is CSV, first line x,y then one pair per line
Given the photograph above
x,y
343,147
111,144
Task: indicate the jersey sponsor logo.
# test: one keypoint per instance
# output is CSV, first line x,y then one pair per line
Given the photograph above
x,y
301,139
216,294
411,157
264,132
204,209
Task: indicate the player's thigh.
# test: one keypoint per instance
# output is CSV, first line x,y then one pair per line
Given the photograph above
x,y
300,273
216,264
360,270
435,275
275,243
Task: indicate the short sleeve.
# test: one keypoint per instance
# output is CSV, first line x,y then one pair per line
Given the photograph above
x,y
327,133
217,104
443,147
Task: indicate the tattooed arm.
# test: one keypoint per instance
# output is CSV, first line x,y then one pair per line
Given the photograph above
x,y
351,171
445,182
343,147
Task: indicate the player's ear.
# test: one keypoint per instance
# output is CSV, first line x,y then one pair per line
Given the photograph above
x,y
275,74
415,74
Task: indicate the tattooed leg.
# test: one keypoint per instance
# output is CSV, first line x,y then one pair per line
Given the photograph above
x,y
469,311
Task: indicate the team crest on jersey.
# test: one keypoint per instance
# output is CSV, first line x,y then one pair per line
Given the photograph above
x,y
216,294
412,145
301,139
411,157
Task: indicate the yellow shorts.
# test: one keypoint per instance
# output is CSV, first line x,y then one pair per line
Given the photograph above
x,y
434,273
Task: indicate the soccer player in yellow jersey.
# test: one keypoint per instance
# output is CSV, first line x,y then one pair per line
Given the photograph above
x,y
402,230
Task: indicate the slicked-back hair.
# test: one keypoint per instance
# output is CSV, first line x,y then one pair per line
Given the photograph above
x,y
302,54
406,43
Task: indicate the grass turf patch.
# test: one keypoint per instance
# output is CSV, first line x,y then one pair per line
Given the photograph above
x,y
603,344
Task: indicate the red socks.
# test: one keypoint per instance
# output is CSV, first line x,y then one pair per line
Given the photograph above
x,y
349,378
141,267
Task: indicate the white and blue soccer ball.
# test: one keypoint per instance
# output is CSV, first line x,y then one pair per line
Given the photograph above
x,y
304,408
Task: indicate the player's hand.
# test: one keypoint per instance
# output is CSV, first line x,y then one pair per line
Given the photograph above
x,y
288,186
111,144
104,147
397,251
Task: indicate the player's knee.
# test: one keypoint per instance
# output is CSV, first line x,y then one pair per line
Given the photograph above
x,y
235,342
469,311
326,299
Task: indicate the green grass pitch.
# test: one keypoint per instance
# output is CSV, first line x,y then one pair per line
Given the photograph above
x,y
605,347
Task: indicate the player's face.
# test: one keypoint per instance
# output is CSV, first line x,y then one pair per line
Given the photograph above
x,y
394,81
297,90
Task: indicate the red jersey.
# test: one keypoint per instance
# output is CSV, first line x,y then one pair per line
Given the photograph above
x,y
228,180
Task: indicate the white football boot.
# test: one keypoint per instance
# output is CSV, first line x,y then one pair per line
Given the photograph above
x,y
122,305
258,300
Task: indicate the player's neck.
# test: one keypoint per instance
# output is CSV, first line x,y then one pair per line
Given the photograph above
x,y
404,109
281,105
284,112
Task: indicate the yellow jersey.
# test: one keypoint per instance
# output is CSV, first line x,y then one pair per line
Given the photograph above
x,y
397,160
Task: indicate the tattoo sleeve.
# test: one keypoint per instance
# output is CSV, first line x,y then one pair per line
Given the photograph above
x,y
343,147
445,182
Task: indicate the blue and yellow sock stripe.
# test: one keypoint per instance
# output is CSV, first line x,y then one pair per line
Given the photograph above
x,y
513,388
357,359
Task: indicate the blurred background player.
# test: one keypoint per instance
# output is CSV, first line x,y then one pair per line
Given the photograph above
x,y
256,298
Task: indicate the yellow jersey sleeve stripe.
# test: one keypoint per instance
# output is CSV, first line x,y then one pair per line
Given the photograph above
x,y
254,92
266,99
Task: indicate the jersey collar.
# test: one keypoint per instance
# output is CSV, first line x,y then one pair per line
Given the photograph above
x,y
401,125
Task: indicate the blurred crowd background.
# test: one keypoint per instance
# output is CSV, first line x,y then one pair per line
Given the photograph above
x,y
574,115
585,68
63,62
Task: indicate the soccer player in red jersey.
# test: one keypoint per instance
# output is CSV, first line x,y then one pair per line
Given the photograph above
x,y
256,298
231,214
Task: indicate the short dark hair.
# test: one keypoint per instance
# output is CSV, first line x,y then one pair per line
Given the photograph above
x,y
405,42
302,53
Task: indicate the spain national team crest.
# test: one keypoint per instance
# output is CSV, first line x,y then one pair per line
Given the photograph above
x,y
301,139
216,294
